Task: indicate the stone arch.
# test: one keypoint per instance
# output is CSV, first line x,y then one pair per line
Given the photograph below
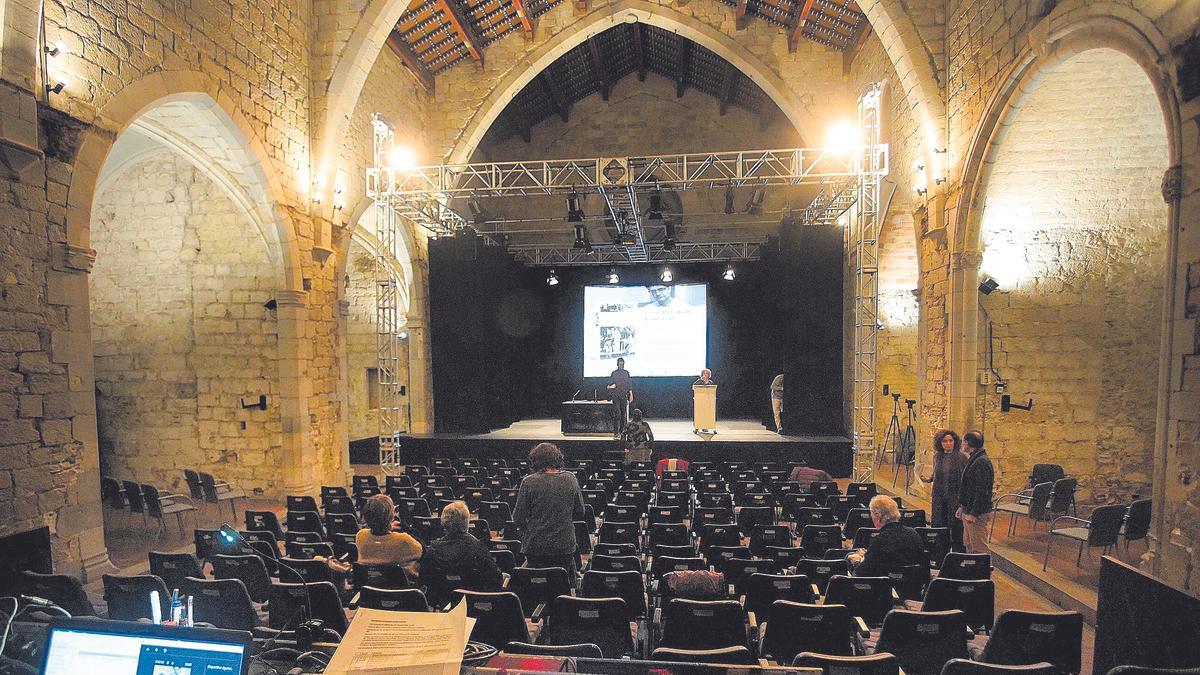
x,y
224,132
361,230
1072,29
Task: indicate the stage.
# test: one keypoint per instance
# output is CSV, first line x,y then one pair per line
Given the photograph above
x,y
745,440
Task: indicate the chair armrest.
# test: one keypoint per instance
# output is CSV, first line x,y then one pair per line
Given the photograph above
x,y
504,584
538,611
1016,497
861,627
895,597
815,591
354,600
753,620
1081,521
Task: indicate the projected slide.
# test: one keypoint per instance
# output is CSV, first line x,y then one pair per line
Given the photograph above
x,y
660,331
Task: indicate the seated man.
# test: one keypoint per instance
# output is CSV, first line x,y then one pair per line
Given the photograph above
x,y
458,554
897,545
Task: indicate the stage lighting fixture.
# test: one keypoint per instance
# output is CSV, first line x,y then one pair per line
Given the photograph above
x,y
655,212
403,335
988,285
401,158
581,238
842,137
477,216
666,275
587,248
574,208
552,280
669,237
729,274
612,276
754,206
729,209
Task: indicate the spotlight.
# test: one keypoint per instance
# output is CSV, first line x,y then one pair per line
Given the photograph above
x,y
401,158
754,206
477,215
655,212
612,276
403,335
581,238
58,86
587,248
729,274
56,48
729,209
552,280
988,285
669,237
666,275
574,208
842,137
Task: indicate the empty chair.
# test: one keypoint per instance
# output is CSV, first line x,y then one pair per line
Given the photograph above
x,y
601,621
619,533
816,539
909,581
393,599
300,503
305,521
794,501
332,491
495,514
872,664
821,571
303,538
719,555
976,599
1021,637
249,569
391,482
769,535
289,602
264,520
112,495
128,597
624,513
750,516
823,488
133,497
784,556
364,480
297,550
663,565
338,504
1032,505
968,667
538,585
862,491
710,515
195,489
1044,473
662,515
63,590
814,515
173,568
794,627
736,656
1137,523
499,618
668,534
222,602
762,590
1101,531
341,523
206,543
344,546
615,563
715,535
869,598
966,566
703,624
298,570
923,641
841,506
863,537
913,517
160,505
936,541
216,491
628,585
738,570
378,575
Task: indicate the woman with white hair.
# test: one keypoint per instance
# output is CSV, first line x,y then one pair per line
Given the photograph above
x,y
897,545
458,559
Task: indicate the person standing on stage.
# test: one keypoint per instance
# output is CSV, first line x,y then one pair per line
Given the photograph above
x,y
620,389
777,402
975,494
705,378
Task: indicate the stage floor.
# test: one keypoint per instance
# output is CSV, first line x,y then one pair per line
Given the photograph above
x,y
665,430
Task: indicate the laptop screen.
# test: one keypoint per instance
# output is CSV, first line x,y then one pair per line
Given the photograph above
x,y
78,650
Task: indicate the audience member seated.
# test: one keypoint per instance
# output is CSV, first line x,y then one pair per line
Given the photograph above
x,y
897,545
459,554
805,476
548,503
378,544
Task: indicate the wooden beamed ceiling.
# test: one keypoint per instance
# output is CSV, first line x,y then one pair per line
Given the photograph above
x,y
433,35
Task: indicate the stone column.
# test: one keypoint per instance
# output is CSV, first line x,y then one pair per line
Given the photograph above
x,y
420,367
70,416
963,337
295,353
342,439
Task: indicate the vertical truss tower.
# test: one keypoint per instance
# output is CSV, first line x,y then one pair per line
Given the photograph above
x,y
863,252
388,287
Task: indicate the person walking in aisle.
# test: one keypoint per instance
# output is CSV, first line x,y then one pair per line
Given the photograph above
x,y
975,494
548,504
946,476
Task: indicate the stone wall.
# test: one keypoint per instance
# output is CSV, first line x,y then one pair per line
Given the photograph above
x,y
1074,229
180,332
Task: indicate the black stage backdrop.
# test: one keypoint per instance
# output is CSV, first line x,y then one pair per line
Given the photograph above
x,y
506,346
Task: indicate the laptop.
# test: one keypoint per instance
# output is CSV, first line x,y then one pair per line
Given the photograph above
x,y
100,647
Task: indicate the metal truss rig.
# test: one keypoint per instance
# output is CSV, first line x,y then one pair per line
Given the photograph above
x,y
559,256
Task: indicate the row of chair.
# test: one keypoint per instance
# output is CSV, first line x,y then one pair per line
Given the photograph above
x,y
130,497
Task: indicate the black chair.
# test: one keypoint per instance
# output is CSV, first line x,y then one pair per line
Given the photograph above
x,y
159,505
391,482
1102,531
864,492
393,599
793,627
814,515
224,603
821,571
344,547
302,570
1021,637
1044,473
976,599
703,624
511,545
936,541
305,521
499,618
264,520
863,537
738,571
390,576
111,494
1031,504
332,491
717,556
287,606
909,581
341,523
304,551
913,518
857,518
207,543
784,556
713,535
822,489
128,598
216,491
133,497
249,569
173,568
662,565
63,590
923,641
195,489
769,535
619,533
1137,523
615,563
816,539
734,656
869,598
762,590
841,505
495,513
586,650
968,667
338,504
969,566
872,664
538,585
630,586
750,516
600,621
666,515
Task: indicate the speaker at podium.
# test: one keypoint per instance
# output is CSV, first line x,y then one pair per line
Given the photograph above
x,y
704,409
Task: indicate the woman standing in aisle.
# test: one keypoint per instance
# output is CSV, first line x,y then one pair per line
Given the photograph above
x,y
946,476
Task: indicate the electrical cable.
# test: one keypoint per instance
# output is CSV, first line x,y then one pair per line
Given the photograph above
x,y
8,624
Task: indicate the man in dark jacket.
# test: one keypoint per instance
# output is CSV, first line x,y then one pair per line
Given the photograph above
x,y
457,560
897,545
975,494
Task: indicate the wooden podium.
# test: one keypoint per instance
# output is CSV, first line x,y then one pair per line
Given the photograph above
x,y
704,408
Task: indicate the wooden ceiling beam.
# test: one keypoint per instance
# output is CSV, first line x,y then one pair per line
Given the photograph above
x,y
523,18
554,93
456,15
856,43
683,64
740,22
600,67
639,51
728,78
801,19
409,58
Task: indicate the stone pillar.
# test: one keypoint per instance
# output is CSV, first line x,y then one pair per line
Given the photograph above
x,y
71,349
295,352
342,427
963,337
420,367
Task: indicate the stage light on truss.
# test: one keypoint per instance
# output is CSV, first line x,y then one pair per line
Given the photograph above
x,y
842,137
665,276
729,274
755,206
574,208
552,280
655,212
581,238
587,248
477,215
669,237
401,158
612,276
729,208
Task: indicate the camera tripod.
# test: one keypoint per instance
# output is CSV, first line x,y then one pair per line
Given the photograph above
x,y
906,453
891,439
